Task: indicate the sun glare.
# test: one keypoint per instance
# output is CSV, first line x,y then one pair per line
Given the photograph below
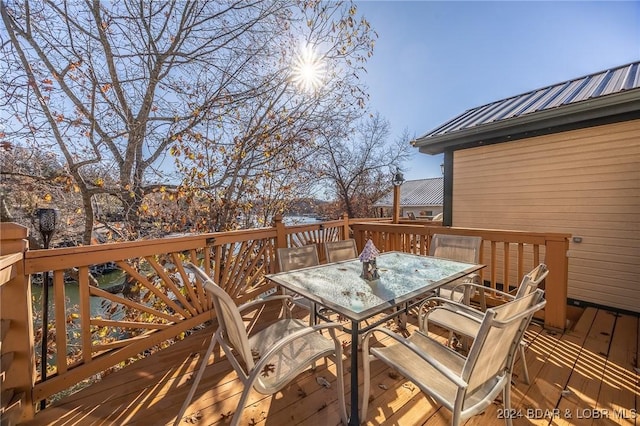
x,y
308,70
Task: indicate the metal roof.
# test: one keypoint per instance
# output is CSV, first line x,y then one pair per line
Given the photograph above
x,y
416,193
577,96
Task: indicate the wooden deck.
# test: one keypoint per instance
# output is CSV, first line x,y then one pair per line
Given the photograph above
x,y
584,376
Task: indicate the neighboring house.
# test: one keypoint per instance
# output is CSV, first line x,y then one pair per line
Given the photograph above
x,y
420,199
564,158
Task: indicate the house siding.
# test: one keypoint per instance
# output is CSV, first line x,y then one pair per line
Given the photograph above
x,y
584,182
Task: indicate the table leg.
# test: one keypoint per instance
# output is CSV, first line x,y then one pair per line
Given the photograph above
x,y
354,419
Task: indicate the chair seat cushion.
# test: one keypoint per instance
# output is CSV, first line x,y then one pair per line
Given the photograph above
x,y
428,378
411,366
291,359
450,320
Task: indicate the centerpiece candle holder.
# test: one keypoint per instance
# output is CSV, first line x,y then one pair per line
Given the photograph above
x,y
368,259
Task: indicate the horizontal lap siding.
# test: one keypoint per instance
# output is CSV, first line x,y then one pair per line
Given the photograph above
x,y
584,182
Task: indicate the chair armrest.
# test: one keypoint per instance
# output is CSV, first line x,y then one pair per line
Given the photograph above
x,y
460,310
257,302
473,277
480,287
481,290
287,303
456,309
414,348
443,302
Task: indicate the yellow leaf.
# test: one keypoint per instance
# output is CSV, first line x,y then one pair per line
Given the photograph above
x,y
100,182
47,197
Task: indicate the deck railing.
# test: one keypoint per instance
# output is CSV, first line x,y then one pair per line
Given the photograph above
x,y
161,302
507,254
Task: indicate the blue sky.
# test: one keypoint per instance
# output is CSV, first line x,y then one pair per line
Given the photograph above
x,y
434,60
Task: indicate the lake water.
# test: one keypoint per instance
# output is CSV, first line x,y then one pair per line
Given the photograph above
x,y
299,220
72,296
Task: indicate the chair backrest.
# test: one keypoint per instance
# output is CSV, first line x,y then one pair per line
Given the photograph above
x,y
231,328
532,280
456,247
291,258
461,248
336,251
491,354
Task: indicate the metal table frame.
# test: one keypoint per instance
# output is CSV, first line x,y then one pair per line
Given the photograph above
x,y
404,279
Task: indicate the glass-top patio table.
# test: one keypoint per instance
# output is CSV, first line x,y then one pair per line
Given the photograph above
x,y
339,286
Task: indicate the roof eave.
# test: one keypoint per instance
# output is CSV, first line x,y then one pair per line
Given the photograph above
x,y
606,106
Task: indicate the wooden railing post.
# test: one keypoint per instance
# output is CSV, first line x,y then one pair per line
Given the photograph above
x,y
555,313
281,232
345,227
358,235
16,337
396,204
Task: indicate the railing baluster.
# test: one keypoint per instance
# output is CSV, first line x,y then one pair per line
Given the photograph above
x,y
506,252
195,300
202,297
494,265
188,310
520,266
60,321
85,313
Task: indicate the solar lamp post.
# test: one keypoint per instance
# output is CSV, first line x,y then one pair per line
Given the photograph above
x,y
47,219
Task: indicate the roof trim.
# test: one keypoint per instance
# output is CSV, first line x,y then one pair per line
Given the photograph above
x,y
595,108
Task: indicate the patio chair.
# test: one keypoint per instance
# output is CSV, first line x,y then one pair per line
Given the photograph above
x,y
463,385
271,358
292,258
529,283
461,248
468,325
336,251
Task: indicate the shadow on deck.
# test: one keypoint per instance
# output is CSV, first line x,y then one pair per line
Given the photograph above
x,y
588,372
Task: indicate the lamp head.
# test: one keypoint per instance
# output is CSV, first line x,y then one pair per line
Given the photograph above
x,y
47,219
398,178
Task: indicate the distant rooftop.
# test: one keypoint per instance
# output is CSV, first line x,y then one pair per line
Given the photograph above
x,y
606,93
416,193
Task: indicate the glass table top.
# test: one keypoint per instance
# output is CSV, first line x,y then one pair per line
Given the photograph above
x,y
403,276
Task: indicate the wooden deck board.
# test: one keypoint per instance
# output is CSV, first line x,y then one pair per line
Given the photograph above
x,y
619,381
580,400
595,360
